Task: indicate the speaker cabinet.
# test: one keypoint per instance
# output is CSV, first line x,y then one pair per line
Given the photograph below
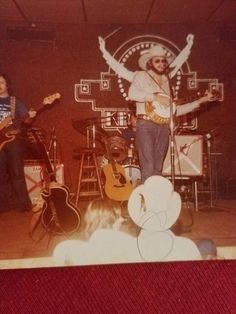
x,y
188,156
35,176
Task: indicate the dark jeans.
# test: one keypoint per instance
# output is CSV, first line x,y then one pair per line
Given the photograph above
x,y
13,190
152,142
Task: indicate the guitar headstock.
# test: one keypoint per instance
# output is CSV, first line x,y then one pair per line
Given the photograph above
x,y
51,98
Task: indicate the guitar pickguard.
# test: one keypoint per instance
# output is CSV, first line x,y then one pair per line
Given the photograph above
x,y
120,188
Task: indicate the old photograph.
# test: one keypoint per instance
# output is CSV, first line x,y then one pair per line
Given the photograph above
x,y
117,132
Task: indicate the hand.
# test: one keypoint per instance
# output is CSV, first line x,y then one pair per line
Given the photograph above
x,y
208,96
101,43
190,38
32,113
211,96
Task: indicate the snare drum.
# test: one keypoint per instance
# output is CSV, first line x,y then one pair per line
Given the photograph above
x,y
133,174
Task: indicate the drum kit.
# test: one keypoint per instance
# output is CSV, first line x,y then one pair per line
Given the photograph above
x,y
122,153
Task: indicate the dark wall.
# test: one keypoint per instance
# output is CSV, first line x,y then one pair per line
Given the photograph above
x,y
39,68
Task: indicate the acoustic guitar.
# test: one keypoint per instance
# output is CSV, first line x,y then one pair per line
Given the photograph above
x,y
7,133
59,214
117,187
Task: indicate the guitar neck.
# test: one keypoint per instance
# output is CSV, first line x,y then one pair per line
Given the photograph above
x,y
46,158
48,100
7,126
37,138
110,158
26,116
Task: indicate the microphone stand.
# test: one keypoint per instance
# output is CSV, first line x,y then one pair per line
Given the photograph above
x,y
91,136
181,226
212,169
53,147
172,139
212,181
55,154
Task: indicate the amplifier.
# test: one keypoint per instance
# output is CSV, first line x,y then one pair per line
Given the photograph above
x,y
35,176
188,156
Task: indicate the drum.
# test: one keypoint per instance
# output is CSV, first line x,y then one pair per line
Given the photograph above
x,y
132,156
133,174
118,148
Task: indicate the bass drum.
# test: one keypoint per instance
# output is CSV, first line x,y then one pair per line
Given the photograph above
x,y
133,174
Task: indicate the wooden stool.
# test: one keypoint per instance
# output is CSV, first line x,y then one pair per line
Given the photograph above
x,y
89,175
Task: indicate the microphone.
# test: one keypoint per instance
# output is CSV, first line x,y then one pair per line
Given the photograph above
x,y
211,134
208,136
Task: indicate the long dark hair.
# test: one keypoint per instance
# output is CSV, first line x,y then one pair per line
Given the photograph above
x,y
8,82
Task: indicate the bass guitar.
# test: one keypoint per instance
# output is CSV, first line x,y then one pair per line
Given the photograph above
x,y
117,187
159,110
7,132
59,214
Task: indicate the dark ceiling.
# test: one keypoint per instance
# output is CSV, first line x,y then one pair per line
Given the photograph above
x,y
117,11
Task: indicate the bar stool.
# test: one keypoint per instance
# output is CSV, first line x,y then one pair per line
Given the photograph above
x,y
89,180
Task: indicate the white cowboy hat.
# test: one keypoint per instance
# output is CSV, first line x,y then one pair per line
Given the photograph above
x,y
154,51
154,205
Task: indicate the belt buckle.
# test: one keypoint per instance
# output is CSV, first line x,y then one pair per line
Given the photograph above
x,y
145,117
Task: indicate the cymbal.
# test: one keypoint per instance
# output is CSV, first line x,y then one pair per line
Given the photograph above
x,y
83,126
86,122
79,150
91,121
98,130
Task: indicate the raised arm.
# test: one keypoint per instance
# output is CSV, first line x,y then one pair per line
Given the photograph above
x,y
177,63
117,67
189,107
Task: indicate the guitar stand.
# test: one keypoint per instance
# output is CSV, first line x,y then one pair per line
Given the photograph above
x,y
51,231
51,228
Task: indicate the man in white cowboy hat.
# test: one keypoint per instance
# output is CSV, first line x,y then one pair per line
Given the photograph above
x,y
151,87
151,90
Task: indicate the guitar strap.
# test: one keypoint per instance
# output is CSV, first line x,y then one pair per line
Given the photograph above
x,y
164,91
13,113
13,106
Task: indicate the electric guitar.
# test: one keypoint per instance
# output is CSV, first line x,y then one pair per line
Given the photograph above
x,y
59,214
7,132
159,110
117,187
